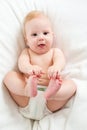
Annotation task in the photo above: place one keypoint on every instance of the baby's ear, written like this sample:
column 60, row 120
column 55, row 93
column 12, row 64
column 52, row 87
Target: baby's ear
column 53, row 34
column 26, row 41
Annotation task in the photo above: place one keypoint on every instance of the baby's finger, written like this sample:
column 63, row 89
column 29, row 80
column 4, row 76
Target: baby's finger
column 50, row 74
column 36, row 72
column 54, row 76
column 60, row 82
column 30, row 72
column 58, row 76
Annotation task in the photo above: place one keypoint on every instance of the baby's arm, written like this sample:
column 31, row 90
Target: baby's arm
column 58, row 59
column 26, row 67
column 58, row 63
column 24, row 61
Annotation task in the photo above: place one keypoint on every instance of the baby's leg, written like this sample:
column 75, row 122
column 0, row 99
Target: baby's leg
column 67, row 90
column 53, row 87
column 31, row 86
column 16, row 84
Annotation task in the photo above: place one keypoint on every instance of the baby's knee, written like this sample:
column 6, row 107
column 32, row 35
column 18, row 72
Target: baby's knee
column 67, row 90
column 9, row 76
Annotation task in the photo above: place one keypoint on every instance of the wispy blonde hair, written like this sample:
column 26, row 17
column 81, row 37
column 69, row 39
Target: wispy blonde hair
column 31, row 15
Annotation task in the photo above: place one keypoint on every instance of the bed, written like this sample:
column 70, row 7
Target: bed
column 69, row 19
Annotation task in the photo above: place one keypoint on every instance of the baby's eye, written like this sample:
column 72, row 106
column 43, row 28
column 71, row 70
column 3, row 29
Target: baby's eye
column 45, row 33
column 34, row 34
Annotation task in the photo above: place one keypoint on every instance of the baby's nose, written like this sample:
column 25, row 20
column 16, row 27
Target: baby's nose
column 41, row 37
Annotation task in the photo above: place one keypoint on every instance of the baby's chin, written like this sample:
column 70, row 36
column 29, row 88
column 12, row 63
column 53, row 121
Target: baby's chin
column 42, row 51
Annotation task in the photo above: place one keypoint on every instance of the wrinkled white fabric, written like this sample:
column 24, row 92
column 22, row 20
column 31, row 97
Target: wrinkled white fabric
column 36, row 108
column 69, row 20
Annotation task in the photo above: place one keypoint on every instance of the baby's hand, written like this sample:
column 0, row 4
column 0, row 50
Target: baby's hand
column 35, row 70
column 53, row 72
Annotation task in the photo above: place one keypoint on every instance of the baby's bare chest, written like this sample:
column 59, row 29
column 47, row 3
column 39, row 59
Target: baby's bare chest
column 43, row 61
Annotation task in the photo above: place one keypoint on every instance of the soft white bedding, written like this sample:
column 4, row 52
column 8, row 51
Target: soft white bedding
column 70, row 26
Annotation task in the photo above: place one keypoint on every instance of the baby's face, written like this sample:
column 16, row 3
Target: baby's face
column 39, row 35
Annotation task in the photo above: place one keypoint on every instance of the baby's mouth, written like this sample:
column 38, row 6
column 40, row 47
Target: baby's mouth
column 41, row 45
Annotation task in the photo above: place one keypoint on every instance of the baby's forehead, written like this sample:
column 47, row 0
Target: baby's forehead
column 39, row 21
column 40, row 18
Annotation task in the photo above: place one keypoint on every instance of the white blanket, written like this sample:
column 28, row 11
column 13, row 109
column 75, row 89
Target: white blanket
column 69, row 20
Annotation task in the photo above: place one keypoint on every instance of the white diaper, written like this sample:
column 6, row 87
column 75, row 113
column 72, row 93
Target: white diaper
column 36, row 109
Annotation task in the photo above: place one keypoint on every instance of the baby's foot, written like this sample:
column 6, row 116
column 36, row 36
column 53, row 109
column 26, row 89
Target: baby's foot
column 31, row 86
column 54, row 86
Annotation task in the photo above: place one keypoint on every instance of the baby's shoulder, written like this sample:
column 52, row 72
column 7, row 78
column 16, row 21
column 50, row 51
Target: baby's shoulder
column 56, row 50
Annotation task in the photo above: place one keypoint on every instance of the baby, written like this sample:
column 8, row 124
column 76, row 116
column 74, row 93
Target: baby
column 39, row 80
